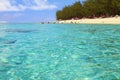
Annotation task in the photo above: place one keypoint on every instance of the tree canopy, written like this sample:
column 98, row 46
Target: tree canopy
column 90, row 9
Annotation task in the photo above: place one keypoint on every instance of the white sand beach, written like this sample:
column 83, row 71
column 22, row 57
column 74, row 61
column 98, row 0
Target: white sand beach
column 110, row 20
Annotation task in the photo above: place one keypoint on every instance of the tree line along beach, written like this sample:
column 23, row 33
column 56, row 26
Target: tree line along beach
column 91, row 11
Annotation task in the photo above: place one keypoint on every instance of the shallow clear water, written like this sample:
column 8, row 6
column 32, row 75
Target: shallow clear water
column 59, row 52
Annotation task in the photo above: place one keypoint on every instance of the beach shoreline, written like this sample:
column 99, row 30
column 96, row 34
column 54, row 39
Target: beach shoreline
column 109, row 20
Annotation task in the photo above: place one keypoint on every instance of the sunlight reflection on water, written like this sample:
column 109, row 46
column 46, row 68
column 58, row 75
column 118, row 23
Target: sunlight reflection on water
column 60, row 52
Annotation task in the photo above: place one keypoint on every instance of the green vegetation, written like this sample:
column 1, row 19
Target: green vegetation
column 90, row 9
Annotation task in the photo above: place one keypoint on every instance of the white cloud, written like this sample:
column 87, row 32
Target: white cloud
column 6, row 5
column 13, row 5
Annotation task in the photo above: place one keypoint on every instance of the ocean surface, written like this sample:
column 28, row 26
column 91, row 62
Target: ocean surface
column 59, row 52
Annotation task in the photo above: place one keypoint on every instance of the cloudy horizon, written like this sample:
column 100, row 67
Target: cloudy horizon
column 30, row 10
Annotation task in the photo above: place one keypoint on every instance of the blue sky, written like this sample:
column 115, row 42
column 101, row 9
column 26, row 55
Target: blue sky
column 31, row 10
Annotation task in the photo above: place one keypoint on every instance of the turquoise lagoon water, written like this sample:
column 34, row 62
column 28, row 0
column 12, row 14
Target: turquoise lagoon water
column 59, row 52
